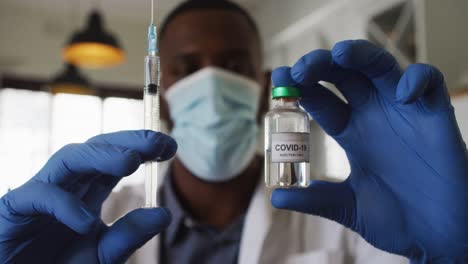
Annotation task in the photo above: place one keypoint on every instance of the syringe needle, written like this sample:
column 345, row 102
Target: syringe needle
column 152, row 12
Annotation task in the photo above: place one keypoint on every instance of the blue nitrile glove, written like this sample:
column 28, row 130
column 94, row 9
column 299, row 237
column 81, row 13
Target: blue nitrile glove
column 408, row 188
column 54, row 217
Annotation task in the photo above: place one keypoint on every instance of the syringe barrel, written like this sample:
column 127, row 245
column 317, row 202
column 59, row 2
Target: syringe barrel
column 151, row 122
column 151, row 93
column 152, row 77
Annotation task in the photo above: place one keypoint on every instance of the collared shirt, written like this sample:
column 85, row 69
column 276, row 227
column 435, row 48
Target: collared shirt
column 187, row 241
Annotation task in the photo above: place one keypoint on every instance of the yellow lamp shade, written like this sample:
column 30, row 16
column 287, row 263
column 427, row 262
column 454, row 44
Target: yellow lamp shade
column 71, row 88
column 93, row 55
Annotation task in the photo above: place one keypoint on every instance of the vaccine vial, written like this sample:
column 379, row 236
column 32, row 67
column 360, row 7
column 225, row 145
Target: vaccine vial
column 287, row 129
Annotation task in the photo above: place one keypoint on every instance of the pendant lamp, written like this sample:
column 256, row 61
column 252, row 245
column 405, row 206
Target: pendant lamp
column 93, row 47
column 70, row 80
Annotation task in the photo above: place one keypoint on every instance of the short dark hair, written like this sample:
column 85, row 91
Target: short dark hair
column 190, row 5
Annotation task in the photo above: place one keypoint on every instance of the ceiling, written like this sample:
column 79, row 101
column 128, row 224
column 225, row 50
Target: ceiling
column 135, row 10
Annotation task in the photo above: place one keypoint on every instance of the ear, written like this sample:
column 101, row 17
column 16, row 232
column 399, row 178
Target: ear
column 265, row 96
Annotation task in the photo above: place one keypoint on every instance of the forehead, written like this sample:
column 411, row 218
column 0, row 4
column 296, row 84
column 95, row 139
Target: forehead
column 208, row 29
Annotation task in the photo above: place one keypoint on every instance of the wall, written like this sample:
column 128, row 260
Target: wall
column 290, row 29
column 32, row 41
column 444, row 38
column 302, row 26
column 299, row 27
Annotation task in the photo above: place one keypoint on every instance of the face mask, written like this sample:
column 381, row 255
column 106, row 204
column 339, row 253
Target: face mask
column 214, row 113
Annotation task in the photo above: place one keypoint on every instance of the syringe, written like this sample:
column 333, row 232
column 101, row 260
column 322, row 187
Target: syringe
column 151, row 109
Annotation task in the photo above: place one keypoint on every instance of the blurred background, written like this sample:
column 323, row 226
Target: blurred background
column 46, row 103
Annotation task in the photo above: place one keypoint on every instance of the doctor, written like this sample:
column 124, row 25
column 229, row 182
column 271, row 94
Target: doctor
column 217, row 94
column 406, row 193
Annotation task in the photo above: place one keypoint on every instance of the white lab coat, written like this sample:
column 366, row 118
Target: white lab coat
column 270, row 235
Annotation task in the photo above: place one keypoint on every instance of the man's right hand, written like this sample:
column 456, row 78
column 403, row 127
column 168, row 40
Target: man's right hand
column 54, row 217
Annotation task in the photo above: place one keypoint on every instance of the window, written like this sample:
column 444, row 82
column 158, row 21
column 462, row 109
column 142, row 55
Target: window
column 124, row 114
column 24, row 135
column 74, row 119
column 34, row 124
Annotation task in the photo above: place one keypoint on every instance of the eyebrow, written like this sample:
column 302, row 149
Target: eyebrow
column 236, row 52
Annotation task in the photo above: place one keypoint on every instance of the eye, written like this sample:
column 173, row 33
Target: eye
column 185, row 69
column 234, row 65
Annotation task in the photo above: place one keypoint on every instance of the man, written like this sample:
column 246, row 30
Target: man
column 199, row 59
column 406, row 181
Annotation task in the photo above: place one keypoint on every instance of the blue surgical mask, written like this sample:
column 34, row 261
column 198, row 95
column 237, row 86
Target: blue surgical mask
column 214, row 113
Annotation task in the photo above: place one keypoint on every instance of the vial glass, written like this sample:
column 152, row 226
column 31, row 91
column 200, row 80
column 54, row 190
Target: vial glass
column 287, row 136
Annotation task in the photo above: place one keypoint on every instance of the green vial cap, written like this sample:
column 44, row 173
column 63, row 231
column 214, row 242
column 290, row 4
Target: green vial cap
column 286, row 92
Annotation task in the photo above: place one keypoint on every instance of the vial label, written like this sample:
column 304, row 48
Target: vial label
column 290, row 147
